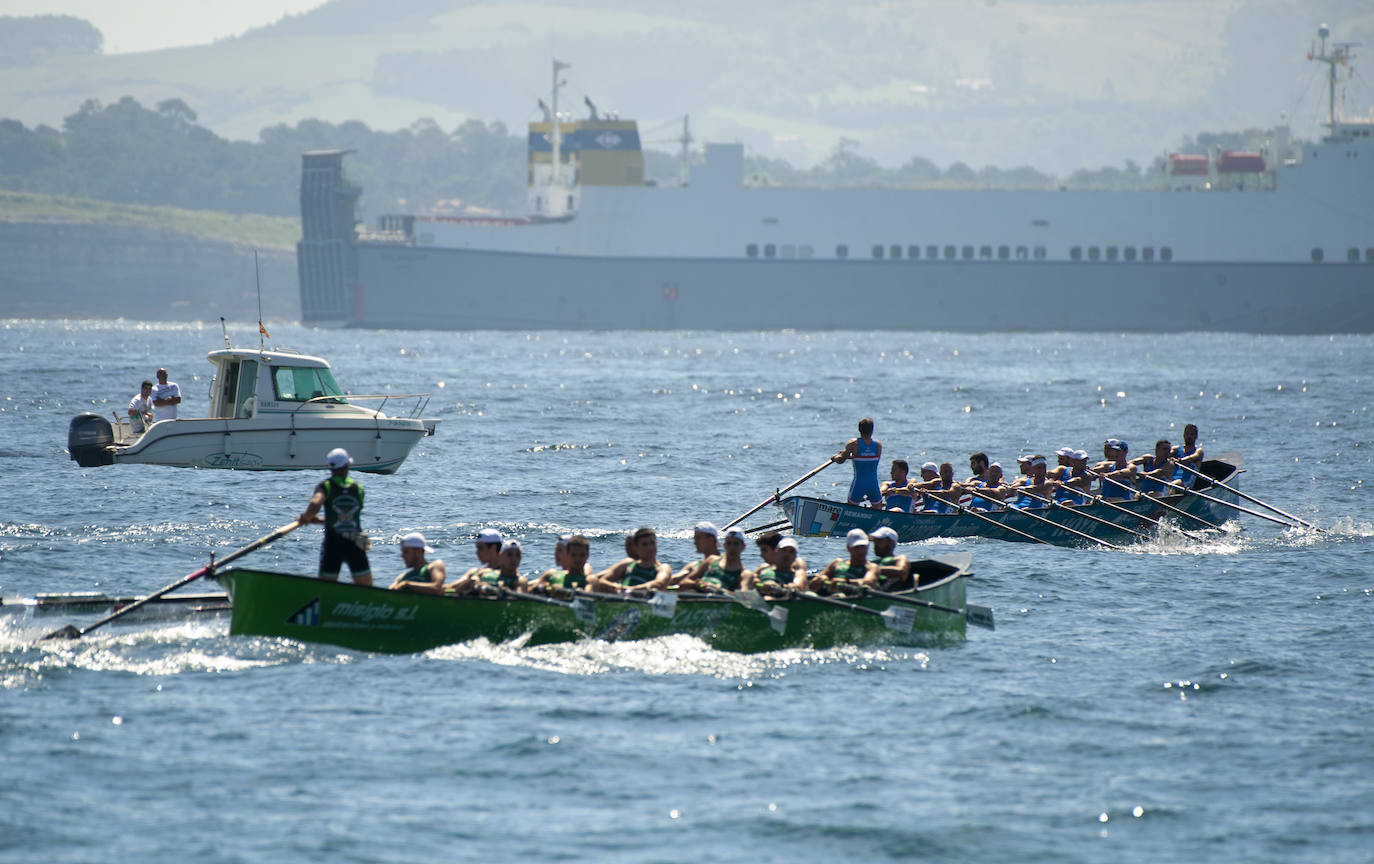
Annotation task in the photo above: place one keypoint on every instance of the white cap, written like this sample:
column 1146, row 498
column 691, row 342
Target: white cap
column 338, row 458
column 1080, row 454
column 707, row 528
column 737, row 533
column 930, row 466
column 997, row 465
column 415, row 540
column 563, row 540
column 510, row 544
column 1025, row 458
column 885, row 532
column 1038, row 460
column 488, row 535
column 1066, row 452
column 787, row 543
column 856, row 537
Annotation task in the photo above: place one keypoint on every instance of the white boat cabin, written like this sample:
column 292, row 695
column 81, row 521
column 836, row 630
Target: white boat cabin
column 250, row 382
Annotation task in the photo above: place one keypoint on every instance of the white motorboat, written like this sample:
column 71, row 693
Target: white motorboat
column 270, row 410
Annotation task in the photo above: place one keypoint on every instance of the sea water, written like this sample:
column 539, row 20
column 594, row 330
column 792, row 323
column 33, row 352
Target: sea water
column 1184, row 700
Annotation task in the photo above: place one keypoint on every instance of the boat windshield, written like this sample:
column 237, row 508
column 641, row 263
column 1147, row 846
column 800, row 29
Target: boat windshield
column 299, row 383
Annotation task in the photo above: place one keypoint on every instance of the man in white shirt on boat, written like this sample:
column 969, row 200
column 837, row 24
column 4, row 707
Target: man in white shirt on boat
column 141, row 409
column 166, row 398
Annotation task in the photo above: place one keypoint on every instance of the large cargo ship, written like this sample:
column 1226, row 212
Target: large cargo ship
column 1275, row 241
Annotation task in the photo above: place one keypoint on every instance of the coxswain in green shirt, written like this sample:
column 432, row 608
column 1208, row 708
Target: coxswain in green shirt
column 420, row 576
column 341, row 499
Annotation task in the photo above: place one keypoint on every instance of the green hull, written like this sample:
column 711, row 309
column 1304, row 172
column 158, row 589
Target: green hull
column 376, row 619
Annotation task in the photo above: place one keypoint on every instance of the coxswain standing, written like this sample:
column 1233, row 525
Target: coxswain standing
column 341, row 499
column 864, row 452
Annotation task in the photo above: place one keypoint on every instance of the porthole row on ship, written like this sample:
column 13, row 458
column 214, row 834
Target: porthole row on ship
column 897, row 252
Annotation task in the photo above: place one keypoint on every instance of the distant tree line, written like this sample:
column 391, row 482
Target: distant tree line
column 31, row 41
column 127, row 153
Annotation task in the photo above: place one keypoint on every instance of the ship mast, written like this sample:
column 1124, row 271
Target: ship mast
column 554, row 178
column 1340, row 54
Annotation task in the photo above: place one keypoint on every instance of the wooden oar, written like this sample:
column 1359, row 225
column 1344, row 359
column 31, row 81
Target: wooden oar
column 1249, row 498
column 976, row 515
column 979, row 616
column 778, row 494
column 1167, row 506
column 1141, row 516
column 894, row 619
column 1177, row 487
column 1054, row 524
column 1062, row 506
column 70, row 632
column 769, row 527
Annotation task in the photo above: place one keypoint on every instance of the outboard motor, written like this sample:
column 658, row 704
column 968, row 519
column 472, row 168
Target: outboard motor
column 88, row 440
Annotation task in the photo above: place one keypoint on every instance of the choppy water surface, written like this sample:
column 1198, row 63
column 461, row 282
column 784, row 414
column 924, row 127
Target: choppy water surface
column 1180, row 701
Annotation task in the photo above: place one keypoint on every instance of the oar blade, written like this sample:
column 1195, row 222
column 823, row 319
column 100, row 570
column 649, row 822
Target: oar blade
column 68, row 632
column 777, row 618
column 584, row 610
column 979, row 616
column 663, row 604
column 751, row 599
column 899, row 618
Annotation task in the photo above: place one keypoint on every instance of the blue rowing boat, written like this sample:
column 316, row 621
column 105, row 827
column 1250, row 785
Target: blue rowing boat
column 1118, row 522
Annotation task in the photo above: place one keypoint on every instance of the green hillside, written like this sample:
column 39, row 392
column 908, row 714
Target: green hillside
column 266, row 232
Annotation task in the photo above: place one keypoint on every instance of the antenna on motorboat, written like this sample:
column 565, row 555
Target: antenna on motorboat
column 263, row 335
column 1342, row 54
column 225, row 330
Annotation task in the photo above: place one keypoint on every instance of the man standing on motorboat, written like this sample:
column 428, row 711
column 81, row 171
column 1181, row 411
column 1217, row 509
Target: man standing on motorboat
column 341, row 498
column 166, row 398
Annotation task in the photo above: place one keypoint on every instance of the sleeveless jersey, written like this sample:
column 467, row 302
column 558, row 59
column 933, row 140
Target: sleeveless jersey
column 496, row 577
column 865, row 460
column 850, row 572
column 416, row 574
column 721, row 578
column 776, row 576
column 1182, row 476
column 343, row 505
column 639, row 575
column 1149, row 485
column 900, row 501
column 564, row 579
column 1070, row 496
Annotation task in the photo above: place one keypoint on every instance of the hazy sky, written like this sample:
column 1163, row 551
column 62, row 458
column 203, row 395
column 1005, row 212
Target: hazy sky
column 147, row 25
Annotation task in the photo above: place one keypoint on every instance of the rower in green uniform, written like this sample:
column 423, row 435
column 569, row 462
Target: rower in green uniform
column 488, row 547
column 706, row 540
column 341, row 499
column 893, row 570
column 643, row 571
column 857, row 570
column 420, row 576
column 724, row 573
column 782, row 573
column 574, row 570
column 505, row 575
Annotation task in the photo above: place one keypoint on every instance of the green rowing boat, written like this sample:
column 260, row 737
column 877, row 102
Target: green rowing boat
column 376, row 619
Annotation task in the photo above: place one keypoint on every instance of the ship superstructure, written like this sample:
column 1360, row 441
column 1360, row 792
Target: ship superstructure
column 1280, row 240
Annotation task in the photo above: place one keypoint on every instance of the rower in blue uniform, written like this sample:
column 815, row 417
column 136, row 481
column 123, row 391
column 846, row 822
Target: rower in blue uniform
column 1116, row 477
column 864, row 452
column 988, row 492
column 1036, row 483
column 1156, row 469
column 1190, row 454
column 895, row 494
column 1076, row 482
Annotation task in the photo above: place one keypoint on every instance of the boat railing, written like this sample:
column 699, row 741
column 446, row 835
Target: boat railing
column 421, row 403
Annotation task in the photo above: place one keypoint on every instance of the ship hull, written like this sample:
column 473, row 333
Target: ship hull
column 419, row 287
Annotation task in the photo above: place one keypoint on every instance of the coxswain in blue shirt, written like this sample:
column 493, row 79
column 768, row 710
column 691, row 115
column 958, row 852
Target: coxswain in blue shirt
column 864, row 452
